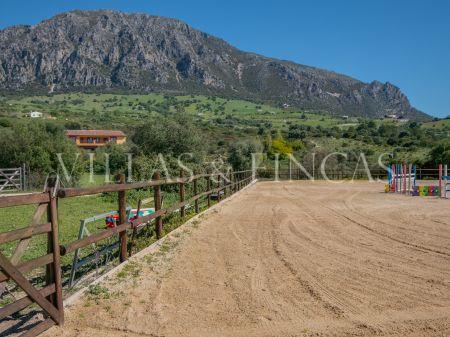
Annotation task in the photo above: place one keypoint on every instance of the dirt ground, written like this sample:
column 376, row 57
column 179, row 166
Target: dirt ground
column 287, row 259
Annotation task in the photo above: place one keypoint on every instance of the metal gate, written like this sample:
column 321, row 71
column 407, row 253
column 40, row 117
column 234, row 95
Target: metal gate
column 13, row 179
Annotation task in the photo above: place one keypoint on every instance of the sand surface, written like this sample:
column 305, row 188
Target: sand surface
column 287, row 259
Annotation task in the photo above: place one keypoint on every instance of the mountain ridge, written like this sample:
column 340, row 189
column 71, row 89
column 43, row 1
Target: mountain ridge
column 106, row 50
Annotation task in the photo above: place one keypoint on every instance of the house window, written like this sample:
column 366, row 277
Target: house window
column 114, row 139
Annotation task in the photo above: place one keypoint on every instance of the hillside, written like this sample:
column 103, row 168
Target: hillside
column 113, row 51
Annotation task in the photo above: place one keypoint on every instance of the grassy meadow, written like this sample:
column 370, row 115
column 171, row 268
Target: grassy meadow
column 122, row 111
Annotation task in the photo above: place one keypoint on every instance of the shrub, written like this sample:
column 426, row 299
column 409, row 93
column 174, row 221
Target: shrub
column 37, row 144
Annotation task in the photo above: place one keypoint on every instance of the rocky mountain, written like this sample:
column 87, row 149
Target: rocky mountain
column 108, row 50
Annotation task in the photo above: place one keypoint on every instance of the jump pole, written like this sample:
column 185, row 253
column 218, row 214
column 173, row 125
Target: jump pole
column 404, row 178
column 395, row 178
column 389, row 176
column 409, row 178
column 440, row 181
column 446, row 181
column 392, row 178
column 415, row 174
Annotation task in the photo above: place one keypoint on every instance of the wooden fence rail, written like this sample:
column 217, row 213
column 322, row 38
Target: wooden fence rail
column 50, row 297
column 333, row 174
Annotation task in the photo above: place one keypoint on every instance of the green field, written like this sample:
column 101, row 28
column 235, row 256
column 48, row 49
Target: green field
column 122, row 111
column 70, row 213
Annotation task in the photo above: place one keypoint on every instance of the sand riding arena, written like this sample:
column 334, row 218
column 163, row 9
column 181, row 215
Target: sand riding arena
column 285, row 259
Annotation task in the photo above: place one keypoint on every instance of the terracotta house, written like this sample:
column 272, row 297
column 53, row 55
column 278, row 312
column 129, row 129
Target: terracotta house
column 92, row 139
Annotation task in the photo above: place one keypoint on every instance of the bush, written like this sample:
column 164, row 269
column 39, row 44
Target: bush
column 241, row 155
column 440, row 153
column 118, row 158
column 281, row 147
column 173, row 136
column 6, row 123
column 37, row 144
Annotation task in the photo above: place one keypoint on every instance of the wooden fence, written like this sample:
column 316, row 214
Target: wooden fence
column 13, row 179
column 332, row 174
column 49, row 297
column 339, row 174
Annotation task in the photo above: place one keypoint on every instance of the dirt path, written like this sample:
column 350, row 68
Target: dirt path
column 287, row 259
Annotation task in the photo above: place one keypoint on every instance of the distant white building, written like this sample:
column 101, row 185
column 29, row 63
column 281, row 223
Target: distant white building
column 35, row 114
column 286, row 106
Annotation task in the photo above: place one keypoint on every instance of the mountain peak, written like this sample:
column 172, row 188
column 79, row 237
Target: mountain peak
column 105, row 50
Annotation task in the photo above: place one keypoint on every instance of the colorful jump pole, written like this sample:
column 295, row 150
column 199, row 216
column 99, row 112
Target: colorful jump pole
column 440, row 181
column 447, row 184
column 409, row 178
column 392, row 178
column 389, row 176
column 395, row 178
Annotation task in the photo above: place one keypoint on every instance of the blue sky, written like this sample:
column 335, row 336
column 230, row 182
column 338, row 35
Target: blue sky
column 404, row 42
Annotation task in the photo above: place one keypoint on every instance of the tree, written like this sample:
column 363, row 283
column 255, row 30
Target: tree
column 440, row 153
column 117, row 158
column 240, row 157
column 169, row 136
column 280, row 146
column 38, row 144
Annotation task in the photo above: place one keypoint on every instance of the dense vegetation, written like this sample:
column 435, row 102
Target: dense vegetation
column 215, row 130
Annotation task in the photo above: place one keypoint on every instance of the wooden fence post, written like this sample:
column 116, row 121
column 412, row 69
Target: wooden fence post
column 157, row 197
column 208, row 187
column 232, row 187
column 182, row 192
column 120, row 178
column 225, row 184
column 53, row 271
column 218, row 186
column 24, row 172
column 195, row 193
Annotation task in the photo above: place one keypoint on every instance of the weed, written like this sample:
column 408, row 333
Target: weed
column 96, row 292
column 131, row 269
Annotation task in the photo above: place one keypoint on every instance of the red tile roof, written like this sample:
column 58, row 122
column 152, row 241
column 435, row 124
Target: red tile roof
column 95, row 133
